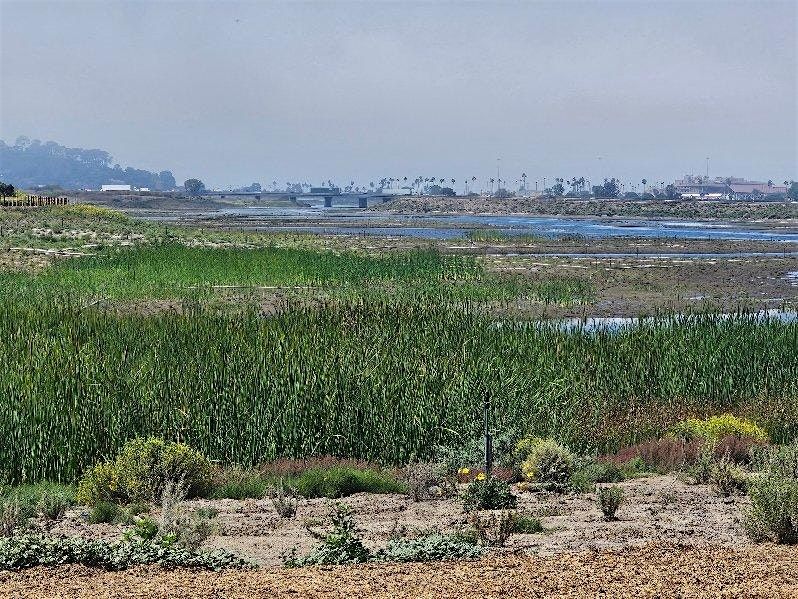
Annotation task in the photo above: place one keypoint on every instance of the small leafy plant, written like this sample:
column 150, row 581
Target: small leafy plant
column 488, row 494
column 428, row 548
column 426, row 481
column 524, row 524
column 773, row 514
column 492, row 529
column 727, row 478
column 340, row 545
column 27, row 551
column 104, row 512
column 609, row 499
column 283, row 499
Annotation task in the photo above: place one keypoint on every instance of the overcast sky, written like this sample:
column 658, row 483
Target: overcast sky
column 236, row 92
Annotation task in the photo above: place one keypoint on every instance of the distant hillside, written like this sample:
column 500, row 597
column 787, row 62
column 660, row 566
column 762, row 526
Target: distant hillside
column 28, row 164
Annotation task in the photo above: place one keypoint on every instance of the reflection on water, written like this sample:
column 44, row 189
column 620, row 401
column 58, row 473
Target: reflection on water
column 618, row 323
column 354, row 222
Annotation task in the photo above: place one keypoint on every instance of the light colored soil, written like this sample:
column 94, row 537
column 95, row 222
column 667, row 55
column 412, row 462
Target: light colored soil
column 643, row 286
column 650, row 571
column 658, row 508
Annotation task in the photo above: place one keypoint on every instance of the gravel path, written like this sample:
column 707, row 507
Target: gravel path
column 650, row 571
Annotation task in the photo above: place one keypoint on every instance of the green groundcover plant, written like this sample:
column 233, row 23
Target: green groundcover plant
column 27, row 551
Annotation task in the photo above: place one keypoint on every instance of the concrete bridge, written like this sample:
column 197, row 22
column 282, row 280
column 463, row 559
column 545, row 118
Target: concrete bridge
column 362, row 198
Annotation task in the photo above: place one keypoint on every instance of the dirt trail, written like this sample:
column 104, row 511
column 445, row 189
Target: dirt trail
column 650, row 571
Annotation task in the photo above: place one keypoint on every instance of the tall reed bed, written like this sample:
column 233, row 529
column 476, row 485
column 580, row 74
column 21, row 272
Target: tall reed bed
column 375, row 381
column 172, row 270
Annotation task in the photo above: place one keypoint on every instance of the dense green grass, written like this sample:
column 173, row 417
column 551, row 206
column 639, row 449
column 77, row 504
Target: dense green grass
column 382, row 381
column 174, row 270
column 497, row 236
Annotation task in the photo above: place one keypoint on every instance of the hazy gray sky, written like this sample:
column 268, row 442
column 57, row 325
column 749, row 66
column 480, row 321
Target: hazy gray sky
column 235, row 92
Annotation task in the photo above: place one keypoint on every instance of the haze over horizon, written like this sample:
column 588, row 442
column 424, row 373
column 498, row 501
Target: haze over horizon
column 238, row 92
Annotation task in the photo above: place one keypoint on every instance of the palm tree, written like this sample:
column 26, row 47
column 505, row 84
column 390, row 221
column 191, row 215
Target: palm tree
column 491, row 184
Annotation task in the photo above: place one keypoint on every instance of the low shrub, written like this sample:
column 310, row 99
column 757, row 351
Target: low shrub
column 340, row 545
column 609, row 499
column 12, row 519
column 488, row 494
column 283, row 499
column 48, row 500
column 428, row 548
column 524, row 524
column 421, row 478
column 658, row 455
column 740, row 450
column 715, row 428
column 492, row 529
column 701, row 469
column 342, row 481
column 104, row 512
column 239, row 483
column 141, row 470
column 585, row 478
column 773, row 515
column 27, row 551
column 727, row 478
column 472, row 453
column 178, row 525
column 547, row 462
column 780, row 460
column 671, row 453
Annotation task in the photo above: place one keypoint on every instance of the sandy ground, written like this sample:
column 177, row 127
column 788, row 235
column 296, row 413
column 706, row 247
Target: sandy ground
column 671, row 540
column 658, row 509
column 650, row 571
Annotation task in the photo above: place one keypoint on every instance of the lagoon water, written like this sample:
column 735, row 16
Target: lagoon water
column 437, row 226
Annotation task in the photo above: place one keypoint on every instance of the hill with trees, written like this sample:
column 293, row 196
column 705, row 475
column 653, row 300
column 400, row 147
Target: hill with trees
column 29, row 164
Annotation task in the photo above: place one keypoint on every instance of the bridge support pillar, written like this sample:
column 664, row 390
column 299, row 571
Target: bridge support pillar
column 257, row 197
column 362, row 203
column 328, row 201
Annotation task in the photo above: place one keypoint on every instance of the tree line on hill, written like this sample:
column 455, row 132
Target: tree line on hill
column 30, row 164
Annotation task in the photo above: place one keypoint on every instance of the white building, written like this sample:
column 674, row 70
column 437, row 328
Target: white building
column 117, row 188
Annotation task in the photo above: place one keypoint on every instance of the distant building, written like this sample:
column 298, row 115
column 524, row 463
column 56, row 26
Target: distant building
column 696, row 186
column 115, row 187
column 700, row 187
column 326, row 190
column 750, row 189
